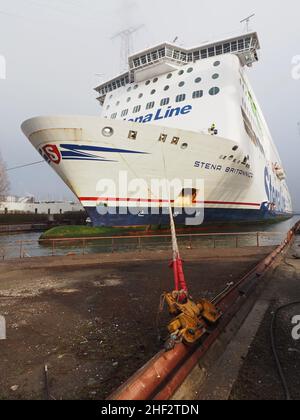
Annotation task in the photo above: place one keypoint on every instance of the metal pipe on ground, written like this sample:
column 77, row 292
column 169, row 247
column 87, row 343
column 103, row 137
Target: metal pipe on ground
column 161, row 377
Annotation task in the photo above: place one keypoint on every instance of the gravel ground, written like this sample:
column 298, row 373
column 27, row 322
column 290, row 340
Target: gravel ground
column 94, row 324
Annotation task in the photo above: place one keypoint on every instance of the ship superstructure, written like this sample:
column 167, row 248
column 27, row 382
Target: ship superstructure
column 187, row 114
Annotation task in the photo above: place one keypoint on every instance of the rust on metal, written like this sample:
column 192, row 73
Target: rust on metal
column 160, row 378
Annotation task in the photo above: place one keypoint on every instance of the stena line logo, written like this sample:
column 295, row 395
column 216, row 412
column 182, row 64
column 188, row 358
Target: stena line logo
column 161, row 114
column 51, row 153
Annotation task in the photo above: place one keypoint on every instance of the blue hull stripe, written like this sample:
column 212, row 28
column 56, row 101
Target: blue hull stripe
column 210, row 216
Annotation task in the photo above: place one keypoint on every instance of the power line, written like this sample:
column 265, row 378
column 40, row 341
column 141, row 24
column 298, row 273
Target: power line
column 25, row 166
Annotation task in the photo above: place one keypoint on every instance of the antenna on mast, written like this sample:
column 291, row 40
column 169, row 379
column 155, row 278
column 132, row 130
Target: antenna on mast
column 126, row 43
column 247, row 22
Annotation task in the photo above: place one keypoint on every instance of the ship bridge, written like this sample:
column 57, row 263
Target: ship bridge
column 168, row 57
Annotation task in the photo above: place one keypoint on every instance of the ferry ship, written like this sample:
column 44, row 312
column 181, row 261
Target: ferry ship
column 176, row 114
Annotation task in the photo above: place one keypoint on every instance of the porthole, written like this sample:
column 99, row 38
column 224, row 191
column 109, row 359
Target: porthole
column 215, row 76
column 150, row 105
column 165, row 102
column 190, row 70
column 128, row 99
column 235, row 148
column 166, row 88
column 180, row 98
column 118, row 103
column 107, row 131
column 170, row 75
column 155, row 80
column 129, row 89
column 184, row 146
column 181, row 84
column 141, row 95
column 217, row 63
column 108, row 106
column 214, row 91
column 153, row 92
column 198, row 80
column 197, row 94
column 148, row 83
column 135, row 87
column 181, row 72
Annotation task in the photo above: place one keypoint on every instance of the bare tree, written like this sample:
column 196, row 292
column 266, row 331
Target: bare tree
column 4, row 184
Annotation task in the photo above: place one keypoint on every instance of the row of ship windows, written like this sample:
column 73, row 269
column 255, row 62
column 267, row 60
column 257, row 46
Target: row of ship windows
column 165, row 101
column 117, row 84
column 179, row 98
column 180, row 73
column 215, row 76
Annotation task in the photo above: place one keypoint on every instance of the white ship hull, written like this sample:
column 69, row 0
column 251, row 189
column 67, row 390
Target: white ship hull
column 185, row 115
column 84, row 157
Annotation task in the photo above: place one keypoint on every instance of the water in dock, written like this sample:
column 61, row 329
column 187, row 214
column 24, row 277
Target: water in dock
column 28, row 245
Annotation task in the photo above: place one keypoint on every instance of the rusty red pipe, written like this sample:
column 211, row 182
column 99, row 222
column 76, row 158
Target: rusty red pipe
column 148, row 383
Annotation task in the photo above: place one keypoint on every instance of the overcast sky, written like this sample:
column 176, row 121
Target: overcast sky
column 57, row 50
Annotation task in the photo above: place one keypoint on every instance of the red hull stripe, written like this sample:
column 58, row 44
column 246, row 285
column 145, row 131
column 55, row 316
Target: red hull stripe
column 140, row 200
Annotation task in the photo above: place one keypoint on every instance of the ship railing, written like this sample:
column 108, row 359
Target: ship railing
column 22, row 249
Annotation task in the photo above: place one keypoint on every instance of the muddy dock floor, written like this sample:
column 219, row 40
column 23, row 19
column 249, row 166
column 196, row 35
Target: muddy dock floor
column 93, row 319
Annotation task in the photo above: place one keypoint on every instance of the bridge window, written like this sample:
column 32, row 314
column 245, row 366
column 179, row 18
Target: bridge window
column 203, row 54
column 219, row 49
column 214, row 91
column 124, row 113
column 247, row 43
column 234, row 46
column 226, row 48
column 180, row 98
column 136, row 109
column 211, row 52
column 165, row 101
column 241, row 44
column 196, row 55
column 150, row 105
column 162, row 53
column 197, row 94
